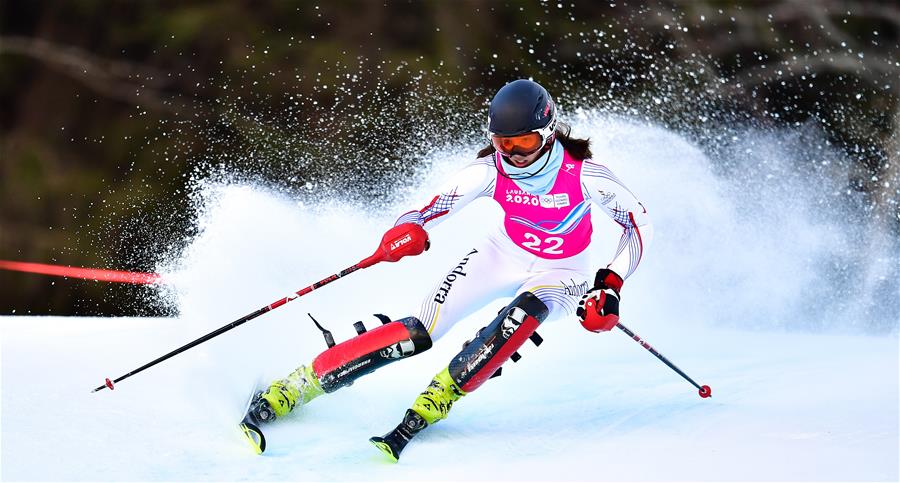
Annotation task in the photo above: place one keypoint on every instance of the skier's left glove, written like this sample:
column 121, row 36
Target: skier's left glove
column 598, row 309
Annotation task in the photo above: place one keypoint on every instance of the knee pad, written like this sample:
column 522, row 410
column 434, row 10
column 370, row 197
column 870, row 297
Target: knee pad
column 346, row 362
column 482, row 357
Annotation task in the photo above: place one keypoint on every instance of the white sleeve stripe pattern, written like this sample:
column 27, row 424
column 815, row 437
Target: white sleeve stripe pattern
column 622, row 217
column 623, row 207
column 489, row 189
column 439, row 206
column 597, row 171
column 474, row 181
column 631, row 239
column 410, row 217
column 487, row 161
column 556, row 295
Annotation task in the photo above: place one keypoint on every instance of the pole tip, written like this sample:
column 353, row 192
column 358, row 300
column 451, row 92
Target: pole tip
column 705, row 391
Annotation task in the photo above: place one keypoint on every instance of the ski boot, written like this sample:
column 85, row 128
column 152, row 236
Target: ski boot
column 282, row 396
column 430, row 407
column 338, row 366
column 480, row 359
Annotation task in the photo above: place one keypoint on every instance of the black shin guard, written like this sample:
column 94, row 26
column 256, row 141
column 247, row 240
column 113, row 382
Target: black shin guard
column 482, row 357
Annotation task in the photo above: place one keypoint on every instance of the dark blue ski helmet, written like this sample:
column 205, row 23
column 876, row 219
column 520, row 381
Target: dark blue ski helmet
column 519, row 107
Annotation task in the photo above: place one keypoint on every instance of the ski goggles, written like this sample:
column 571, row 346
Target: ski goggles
column 522, row 144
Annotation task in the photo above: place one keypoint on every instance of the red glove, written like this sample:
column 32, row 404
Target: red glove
column 598, row 309
column 398, row 242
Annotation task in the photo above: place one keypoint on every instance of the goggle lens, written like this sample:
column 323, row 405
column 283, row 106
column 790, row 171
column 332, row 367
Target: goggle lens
column 523, row 144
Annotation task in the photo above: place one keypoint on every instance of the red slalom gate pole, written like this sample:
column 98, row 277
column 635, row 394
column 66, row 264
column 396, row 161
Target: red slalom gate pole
column 398, row 242
column 97, row 274
column 705, row 391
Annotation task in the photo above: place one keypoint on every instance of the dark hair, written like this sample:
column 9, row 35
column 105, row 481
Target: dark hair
column 579, row 149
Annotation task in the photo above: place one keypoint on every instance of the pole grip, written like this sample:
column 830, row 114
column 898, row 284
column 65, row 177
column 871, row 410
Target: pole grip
column 403, row 240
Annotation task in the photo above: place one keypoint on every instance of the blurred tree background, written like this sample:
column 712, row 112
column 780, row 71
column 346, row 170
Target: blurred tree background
column 111, row 109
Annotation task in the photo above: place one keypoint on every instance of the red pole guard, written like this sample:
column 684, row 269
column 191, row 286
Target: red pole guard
column 96, row 274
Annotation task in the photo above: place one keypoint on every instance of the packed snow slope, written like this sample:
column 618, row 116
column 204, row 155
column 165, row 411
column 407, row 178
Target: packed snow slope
column 747, row 287
column 581, row 407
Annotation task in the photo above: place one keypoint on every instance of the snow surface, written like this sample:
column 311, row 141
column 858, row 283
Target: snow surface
column 799, row 392
column 784, row 407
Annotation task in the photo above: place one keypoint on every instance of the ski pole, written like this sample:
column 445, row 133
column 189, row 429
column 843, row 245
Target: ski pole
column 398, row 242
column 705, row 391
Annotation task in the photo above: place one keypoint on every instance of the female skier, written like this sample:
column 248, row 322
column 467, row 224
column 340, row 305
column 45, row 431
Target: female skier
column 546, row 183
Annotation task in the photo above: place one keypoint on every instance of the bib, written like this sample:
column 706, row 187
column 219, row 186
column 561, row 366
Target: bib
column 554, row 225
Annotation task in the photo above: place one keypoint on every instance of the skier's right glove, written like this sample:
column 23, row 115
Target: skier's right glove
column 598, row 309
column 400, row 241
